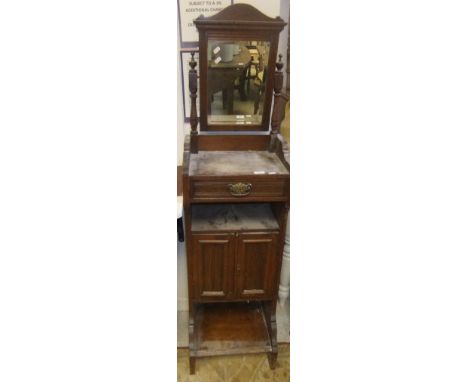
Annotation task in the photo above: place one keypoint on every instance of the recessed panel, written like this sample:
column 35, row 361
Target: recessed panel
column 256, row 265
column 256, row 257
column 214, row 256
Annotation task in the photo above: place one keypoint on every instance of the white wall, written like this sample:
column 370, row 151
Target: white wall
column 182, row 282
column 182, row 128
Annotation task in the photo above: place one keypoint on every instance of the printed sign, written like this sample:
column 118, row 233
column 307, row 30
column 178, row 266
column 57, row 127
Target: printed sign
column 190, row 10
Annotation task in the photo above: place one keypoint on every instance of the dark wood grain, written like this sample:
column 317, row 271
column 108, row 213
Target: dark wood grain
column 193, row 79
column 282, row 150
column 230, row 263
column 269, row 311
column 256, row 262
column 244, row 23
column 213, row 265
column 279, row 106
column 233, row 142
column 263, row 188
column 231, row 328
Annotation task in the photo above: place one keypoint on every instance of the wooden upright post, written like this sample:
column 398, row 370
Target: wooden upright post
column 280, row 101
column 193, row 105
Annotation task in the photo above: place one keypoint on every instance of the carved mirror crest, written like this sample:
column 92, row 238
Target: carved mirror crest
column 238, row 49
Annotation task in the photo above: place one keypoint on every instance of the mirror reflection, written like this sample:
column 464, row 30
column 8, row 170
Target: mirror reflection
column 237, row 75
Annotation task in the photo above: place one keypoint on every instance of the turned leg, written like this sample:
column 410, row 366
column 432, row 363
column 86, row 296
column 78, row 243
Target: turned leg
column 192, row 365
column 272, row 359
column 230, row 100
column 269, row 308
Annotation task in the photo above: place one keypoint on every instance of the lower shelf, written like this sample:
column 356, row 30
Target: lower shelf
column 231, row 328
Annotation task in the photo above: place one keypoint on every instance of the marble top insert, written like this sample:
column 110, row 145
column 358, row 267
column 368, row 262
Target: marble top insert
column 235, row 163
column 233, row 217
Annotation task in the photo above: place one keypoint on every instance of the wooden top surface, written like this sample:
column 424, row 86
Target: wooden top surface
column 230, row 328
column 225, row 163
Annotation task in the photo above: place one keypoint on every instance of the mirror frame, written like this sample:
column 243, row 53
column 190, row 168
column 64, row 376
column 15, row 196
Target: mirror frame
column 245, row 23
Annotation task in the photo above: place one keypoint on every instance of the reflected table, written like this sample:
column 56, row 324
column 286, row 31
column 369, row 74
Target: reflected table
column 223, row 75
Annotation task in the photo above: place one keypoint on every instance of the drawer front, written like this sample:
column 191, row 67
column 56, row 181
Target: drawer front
column 239, row 190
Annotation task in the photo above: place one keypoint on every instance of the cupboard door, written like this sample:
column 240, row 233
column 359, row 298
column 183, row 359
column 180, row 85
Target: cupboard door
column 256, row 259
column 213, row 259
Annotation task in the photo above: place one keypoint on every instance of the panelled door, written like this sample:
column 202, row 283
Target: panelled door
column 255, row 264
column 213, row 260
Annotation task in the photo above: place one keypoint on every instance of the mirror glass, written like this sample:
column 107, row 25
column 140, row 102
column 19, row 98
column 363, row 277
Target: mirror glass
column 236, row 83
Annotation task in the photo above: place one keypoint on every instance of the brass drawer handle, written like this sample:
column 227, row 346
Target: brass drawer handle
column 240, row 189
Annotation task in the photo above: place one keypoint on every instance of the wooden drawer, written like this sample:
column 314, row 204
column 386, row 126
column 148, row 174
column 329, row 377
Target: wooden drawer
column 239, row 190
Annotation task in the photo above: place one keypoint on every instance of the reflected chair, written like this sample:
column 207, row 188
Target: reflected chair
column 259, row 83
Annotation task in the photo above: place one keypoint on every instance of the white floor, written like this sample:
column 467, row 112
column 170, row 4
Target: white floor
column 282, row 322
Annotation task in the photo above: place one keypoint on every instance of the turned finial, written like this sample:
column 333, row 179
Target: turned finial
column 193, row 87
column 279, row 64
column 279, row 105
column 192, row 62
column 278, row 77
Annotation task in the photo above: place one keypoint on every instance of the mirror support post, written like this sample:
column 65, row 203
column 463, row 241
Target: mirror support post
column 193, row 105
column 280, row 101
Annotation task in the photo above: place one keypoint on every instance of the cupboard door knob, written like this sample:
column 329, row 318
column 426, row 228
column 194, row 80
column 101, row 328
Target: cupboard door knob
column 240, row 189
column 238, row 267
